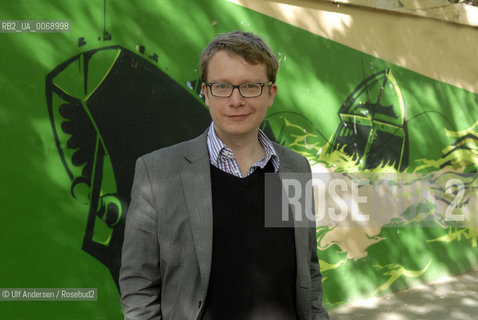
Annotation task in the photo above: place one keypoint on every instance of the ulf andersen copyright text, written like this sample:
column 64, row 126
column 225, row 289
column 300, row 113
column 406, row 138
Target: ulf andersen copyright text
column 48, row 294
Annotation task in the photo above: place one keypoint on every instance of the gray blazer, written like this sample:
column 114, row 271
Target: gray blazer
column 167, row 250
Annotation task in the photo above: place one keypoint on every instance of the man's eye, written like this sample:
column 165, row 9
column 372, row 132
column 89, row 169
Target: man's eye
column 251, row 86
column 221, row 86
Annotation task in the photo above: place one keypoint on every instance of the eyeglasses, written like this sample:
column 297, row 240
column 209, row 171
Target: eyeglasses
column 247, row 90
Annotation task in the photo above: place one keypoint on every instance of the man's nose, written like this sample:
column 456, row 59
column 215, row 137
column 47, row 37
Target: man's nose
column 236, row 99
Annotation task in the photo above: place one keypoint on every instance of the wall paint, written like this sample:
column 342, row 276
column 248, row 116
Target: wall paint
column 78, row 107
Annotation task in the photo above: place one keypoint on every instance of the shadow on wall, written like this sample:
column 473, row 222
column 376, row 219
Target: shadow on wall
column 434, row 48
column 107, row 107
column 450, row 298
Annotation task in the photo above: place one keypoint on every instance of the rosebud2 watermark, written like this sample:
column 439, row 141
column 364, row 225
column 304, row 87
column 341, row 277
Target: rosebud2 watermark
column 373, row 200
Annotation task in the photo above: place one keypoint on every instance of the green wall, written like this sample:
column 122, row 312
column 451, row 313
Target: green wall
column 75, row 113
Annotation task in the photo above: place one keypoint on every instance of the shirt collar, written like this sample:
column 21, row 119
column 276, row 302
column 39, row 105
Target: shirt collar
column 217, row 149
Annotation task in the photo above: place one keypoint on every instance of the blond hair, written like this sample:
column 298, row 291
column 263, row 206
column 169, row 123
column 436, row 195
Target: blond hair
column 246, row 45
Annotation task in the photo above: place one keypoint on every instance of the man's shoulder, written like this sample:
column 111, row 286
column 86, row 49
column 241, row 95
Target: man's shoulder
column 286, row 153
column 290, row 157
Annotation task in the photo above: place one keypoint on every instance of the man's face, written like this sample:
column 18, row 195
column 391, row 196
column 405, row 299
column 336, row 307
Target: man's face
column 236, row 116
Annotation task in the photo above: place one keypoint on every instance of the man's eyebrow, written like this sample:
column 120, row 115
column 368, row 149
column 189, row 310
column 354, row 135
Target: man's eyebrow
column 243, row 82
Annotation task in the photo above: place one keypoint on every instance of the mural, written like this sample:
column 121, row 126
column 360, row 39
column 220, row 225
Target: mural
column 373, row 127
column 79, row 107
column 107, row 107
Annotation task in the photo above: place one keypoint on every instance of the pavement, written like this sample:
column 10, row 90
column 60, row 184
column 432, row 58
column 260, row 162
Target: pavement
column 449, row 298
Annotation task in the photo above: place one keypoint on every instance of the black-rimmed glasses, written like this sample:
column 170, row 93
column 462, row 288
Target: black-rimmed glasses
column 247, row 90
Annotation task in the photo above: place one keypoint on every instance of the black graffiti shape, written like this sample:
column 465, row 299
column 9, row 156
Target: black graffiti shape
column 377, row 108
column 134, row 109
column 372, row 131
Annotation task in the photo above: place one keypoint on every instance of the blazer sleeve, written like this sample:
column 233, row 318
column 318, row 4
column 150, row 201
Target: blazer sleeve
column 318, row 310
column 139, row 277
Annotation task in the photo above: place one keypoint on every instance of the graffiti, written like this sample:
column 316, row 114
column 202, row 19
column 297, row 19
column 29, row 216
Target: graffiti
column 372, row 137
column 354, row 241
column 462, row 154
column 396, row 271
column 372, row 134
column 107, row 107
column 325, row 266
column 373, row 116
column 456, row 234
column 297, row 133
column 117, row 87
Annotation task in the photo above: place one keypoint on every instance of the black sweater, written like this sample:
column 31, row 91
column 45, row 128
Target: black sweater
column 253, row 272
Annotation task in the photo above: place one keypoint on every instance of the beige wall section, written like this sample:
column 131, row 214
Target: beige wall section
column 443, row 51
column 436, row 9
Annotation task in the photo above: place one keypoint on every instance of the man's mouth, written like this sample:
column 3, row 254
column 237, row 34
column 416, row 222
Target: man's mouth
column 237, row 116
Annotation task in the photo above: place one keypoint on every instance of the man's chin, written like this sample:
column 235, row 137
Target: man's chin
column 239, row 131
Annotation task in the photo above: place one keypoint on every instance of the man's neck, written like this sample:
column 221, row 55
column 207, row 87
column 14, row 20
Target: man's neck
column 247, row 149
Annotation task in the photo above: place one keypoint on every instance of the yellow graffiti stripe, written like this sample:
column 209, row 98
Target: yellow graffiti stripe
column 396, row 271
column 461, row 133
column 468, row 234
column 469, row 143
column 458, row 155
column 325, row 266
column 301, row 140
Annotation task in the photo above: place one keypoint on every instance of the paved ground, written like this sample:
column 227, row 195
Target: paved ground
column 451, row 298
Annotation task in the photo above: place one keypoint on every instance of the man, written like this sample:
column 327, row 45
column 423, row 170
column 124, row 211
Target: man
column 196, row 245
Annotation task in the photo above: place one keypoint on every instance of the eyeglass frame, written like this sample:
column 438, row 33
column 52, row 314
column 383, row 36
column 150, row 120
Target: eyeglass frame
column 238, row 86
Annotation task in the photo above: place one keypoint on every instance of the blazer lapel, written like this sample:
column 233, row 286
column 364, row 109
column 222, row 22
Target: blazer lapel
column 196, row 180
column 301, row 230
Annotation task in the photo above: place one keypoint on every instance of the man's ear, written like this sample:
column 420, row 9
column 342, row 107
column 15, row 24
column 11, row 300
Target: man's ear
column 272, row 94
column 206, row 95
